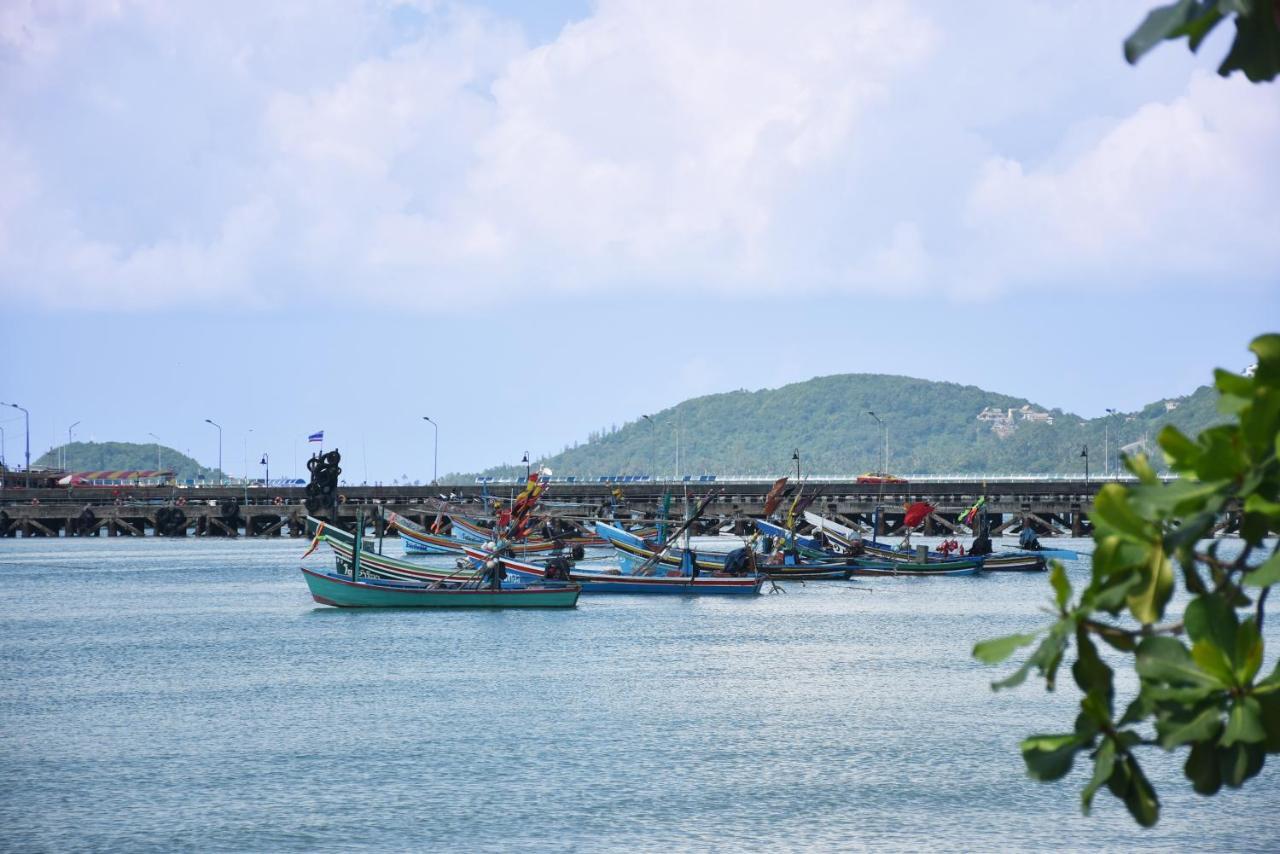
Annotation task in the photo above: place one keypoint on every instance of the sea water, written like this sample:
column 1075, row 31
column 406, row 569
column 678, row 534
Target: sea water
column 166, row 695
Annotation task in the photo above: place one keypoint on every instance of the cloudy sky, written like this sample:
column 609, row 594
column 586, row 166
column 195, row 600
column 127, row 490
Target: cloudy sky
column 533, row 223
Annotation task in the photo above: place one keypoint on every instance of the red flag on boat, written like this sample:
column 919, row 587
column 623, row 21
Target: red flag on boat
column 774, row 498
column 916, row 512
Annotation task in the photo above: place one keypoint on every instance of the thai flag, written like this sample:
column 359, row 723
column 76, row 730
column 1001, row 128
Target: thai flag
column 316, row 437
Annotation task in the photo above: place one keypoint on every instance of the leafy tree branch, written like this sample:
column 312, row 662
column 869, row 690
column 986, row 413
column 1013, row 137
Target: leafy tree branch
column 1202, row 696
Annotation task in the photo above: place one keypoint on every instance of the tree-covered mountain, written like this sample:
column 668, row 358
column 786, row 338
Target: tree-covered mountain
column 117, row 456
column 933, row 428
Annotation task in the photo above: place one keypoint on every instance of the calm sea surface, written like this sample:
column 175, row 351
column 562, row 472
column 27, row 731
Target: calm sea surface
column 187, row 694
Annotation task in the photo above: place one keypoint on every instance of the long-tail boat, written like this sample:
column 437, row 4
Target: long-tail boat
column 849, row 539
column 331, row 588
column 420, row 541
column 634, row 551
column 664, row 580
column 472, row 531
column 361, row 581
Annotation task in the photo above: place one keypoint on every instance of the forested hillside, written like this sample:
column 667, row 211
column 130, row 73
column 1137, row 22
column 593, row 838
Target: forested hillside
column 933, row 428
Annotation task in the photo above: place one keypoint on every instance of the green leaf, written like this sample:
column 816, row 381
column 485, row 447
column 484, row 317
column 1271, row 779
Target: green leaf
column 1049, row 757
column 997, row 650
column 1256, row 503
column 1203, row 769
column 1231, row 383
column 1265, row 575
column 1214, row 661
column 1163, row 659
column 1244, row 723
column 1061, row 586
column 1239, row 762
column 1140, row 798
column 1163, row 22
column 1211, row 618
column 1249, row 648
column 1112, row 514
column 1181, row 451
column 1103, row 766
column 1270, row 707
column 1256, row 49
column 1267, row 349
column 1204, row 726
column 1091, row 673
column 1147, row 600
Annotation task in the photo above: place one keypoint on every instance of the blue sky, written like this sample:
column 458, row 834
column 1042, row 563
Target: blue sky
column 533, row 224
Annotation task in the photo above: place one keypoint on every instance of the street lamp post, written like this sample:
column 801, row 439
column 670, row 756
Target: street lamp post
column 64, row 450
column 795, row 455
column 1106, row 443
column 219, row 426
column 265, row 462
column 884, row 465
column 27, row 430
column 1084, row 452
column 157, row 438
column 653, row 445
column 525, row 460
column 435, row 451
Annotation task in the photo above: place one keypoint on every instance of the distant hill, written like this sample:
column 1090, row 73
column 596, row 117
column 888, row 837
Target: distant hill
column 104, row 456
column 934, row 428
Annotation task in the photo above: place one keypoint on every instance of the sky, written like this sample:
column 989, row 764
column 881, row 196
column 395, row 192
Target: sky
column 533, row 221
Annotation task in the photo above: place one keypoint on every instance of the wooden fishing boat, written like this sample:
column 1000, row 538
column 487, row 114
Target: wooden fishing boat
column 471, row 531
column 633, row 551
column 331, row 588
column 420, row 541
column 889, row 562
column 343, row 545
column 846, row 538
column 963, row 566
column 664, row 581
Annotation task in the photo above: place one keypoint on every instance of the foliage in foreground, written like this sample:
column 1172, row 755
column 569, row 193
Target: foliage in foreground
column 1201, row 695
column 1254, row 51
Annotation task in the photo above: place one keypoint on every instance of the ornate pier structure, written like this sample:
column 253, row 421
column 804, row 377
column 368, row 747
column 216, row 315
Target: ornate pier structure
column 1051, row 507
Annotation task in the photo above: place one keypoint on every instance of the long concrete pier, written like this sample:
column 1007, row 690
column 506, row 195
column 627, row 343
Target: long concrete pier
column 1051, row 507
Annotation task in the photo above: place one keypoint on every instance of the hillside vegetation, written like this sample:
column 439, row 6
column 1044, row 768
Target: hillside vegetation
column 104, row 456
column 933, row 429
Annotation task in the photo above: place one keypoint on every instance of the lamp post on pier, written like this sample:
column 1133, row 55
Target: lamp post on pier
column 653, row 445
column 795, row 455
column 27, row 430
column 525, row 460
column 1084, row 452
column 70, row 430
column 435, row 451
column 219, row 426
column 157, row 438
column 1106, row 443
column 265, row 462
column 884, row 464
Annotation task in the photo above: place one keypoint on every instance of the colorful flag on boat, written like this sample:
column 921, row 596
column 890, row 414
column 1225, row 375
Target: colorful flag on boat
column 972, row 513
column 916, row 512
column 316, row 437
column 774, row 498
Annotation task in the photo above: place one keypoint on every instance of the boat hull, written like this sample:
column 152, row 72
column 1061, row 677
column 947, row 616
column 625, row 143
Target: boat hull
column 593, row 581
column 332, row 589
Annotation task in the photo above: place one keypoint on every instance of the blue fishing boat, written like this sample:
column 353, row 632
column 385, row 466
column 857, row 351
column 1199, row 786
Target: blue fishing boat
column 634, row 551
column 342, row 591
column 661, row 580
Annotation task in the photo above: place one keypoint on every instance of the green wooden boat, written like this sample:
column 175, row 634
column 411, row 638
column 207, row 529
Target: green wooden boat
column 329, row 588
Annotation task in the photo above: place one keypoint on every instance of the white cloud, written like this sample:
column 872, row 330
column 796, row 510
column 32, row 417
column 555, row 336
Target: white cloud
column 1177, row 188
column 153, row 157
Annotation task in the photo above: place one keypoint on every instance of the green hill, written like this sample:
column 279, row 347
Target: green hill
column 933, row 428
column 105, row 456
